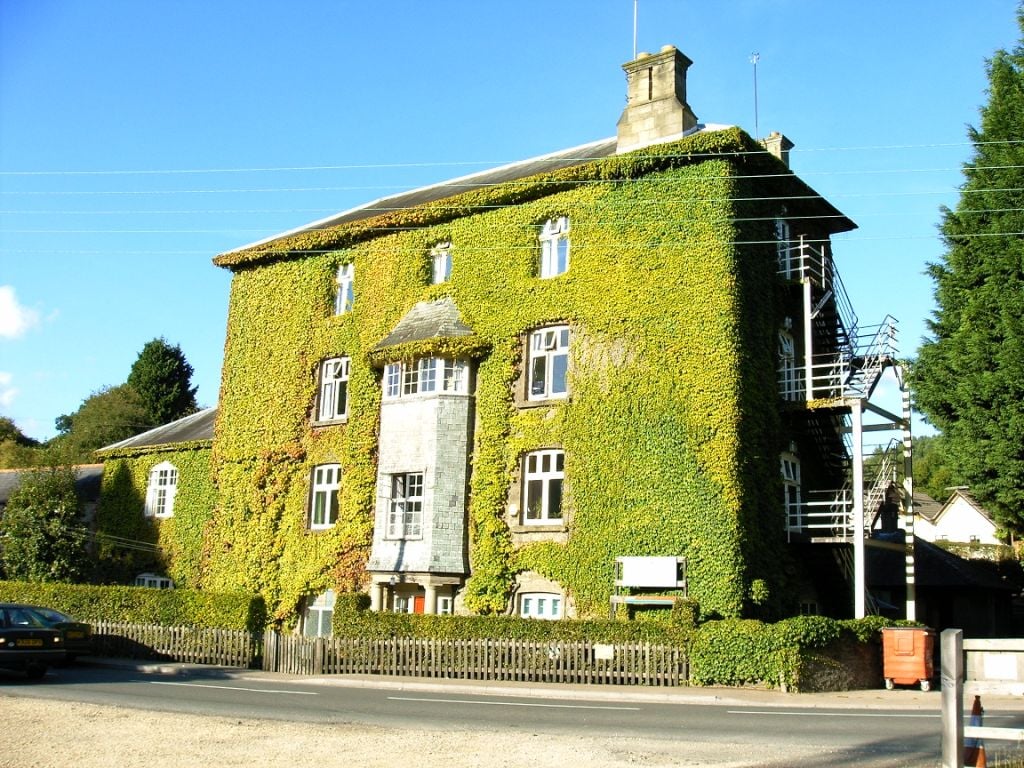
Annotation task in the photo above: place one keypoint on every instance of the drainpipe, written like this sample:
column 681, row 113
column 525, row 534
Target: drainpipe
column 859, row 580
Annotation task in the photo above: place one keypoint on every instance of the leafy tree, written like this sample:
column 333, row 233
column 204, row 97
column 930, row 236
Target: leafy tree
column 17, row 449
column 106, row 416
column 969, row 376
column 41, row 530
column 933, row 474
column 163, row 378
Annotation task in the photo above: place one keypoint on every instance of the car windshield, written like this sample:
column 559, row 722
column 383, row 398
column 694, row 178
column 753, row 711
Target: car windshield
column 24, row 617
column 50, row 616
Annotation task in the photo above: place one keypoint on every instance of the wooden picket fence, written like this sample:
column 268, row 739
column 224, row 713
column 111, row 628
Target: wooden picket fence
column 485, row 659
column 196, row 645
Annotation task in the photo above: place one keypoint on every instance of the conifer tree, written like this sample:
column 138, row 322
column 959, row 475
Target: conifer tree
column 163, row 378
column 969, row 376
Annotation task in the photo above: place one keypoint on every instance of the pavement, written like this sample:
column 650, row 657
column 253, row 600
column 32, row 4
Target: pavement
column 911, row 698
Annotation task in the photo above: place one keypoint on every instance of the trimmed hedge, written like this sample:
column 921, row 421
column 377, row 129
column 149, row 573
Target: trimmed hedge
column 801, row 653
column 142, row 605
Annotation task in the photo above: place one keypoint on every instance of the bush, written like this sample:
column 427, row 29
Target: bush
column 351, row 620
column 142, row 605
column 784, row 655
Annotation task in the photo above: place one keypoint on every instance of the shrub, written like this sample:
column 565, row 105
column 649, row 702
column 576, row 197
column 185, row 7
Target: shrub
column 141, row 605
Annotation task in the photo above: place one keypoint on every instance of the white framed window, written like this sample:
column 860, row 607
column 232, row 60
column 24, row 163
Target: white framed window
column 161, row 489
column 445, row 605
column 318, row 615
column 441, row 262
column 789, row 383
column 554, row 247
column 426, row 375
column 153, row 581
column 786, row 252
column 405, row 507
column 549, row 363
column 326, row 482
column 790, row 467
column 543, row 477
column 540, row 605
column 345, row 298
column 334, row 389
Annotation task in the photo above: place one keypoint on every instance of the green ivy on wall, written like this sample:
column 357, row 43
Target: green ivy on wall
column 671, row 433
column 177, row 541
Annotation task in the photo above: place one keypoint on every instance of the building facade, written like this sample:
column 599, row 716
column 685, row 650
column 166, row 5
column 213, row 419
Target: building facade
column 475, row 396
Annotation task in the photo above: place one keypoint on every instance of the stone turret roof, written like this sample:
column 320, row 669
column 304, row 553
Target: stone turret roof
column 427, row 320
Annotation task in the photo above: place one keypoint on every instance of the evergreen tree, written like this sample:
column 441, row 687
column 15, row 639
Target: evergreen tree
column 41, row 533
column 969, row 376
column 163, row 378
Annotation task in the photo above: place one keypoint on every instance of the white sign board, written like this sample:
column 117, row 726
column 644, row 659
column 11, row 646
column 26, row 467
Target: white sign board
column 648, row 572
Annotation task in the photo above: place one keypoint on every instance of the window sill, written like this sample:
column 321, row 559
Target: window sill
column 330, row 422
column 548, row 403
column 538, row 528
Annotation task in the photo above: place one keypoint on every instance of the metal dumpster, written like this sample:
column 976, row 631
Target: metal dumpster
column 907, row 656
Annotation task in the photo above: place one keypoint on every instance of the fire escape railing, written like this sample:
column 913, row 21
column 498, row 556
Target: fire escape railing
column 849, row 366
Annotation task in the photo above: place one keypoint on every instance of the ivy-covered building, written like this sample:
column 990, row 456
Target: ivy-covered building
column 475, row 396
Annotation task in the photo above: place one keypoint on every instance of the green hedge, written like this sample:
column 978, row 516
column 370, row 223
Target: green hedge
column 785, row 654
column 142, row 605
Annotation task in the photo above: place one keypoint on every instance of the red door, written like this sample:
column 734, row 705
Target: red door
column 418, row 603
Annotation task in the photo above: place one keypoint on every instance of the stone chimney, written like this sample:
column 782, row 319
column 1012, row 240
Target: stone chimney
column 778, row 145
column 656, row 108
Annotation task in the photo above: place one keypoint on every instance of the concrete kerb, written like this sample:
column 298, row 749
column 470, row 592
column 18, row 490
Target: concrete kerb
column 910, row 699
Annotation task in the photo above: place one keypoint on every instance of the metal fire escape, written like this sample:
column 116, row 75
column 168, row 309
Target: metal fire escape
column 836, row 368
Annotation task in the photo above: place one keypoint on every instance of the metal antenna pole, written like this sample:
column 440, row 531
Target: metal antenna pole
column 754, row 58
column 635, row 2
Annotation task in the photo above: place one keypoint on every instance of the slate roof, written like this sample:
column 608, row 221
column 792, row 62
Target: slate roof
column 522, row 169
column 190, row 429
column 926, row 506
column 428, row 320
column 933, row 567
column 87, row 482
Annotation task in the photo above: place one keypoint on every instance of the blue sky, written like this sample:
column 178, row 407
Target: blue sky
column 138, row 140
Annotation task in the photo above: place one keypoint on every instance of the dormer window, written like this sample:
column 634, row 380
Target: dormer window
column 441, row 260
column 345, row 298
column 554, row 247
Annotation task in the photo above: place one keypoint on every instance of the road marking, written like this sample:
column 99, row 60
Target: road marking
column 235, row 688
column 510, row 703
column 825, row 714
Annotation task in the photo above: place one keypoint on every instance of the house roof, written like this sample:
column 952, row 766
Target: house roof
column 926, row 506
column 522, row 169
column 87, row 482
column 581, row 155
column 197, row 427
column 428, row 320
column 933, row 567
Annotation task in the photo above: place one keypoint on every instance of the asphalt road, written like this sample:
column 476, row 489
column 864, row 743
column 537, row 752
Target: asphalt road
column 848, row 735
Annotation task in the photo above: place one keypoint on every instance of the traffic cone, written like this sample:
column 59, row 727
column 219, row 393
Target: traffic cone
column 974, row 749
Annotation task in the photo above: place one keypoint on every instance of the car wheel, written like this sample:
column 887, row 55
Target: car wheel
column 35, row 672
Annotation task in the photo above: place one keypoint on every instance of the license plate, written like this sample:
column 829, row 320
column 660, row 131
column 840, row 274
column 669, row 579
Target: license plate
column 29, row 642
column 76, row 634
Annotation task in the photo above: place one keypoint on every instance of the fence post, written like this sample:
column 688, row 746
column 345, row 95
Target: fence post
column 270, row 659
column 952, row 698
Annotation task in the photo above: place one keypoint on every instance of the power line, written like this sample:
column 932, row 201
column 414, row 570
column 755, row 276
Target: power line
column 466, row 184
column 463, row 163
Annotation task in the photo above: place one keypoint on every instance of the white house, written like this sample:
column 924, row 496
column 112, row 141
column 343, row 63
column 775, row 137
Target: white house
column 960, row 519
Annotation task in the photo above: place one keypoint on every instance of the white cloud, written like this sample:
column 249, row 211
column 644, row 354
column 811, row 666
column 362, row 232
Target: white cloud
column 7, row 392
column 15, row 320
